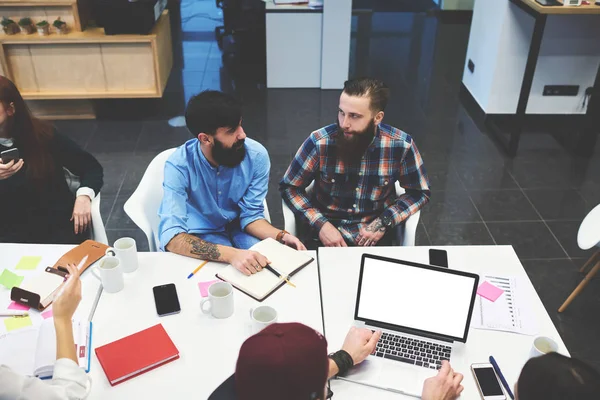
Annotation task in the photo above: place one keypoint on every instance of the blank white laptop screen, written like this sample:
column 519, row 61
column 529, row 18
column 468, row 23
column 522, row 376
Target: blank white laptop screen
column 414, row 297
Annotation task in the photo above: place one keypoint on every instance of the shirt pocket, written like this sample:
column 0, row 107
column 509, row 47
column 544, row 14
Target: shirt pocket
column 380, row 187
column 330, row 184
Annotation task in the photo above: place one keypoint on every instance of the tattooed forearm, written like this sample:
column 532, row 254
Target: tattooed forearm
column 203, row 249
column 192, row 246
column 375, row 226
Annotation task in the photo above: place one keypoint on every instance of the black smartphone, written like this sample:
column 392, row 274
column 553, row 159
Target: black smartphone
column 10, row 155
column 438, row 257
column 165, row 297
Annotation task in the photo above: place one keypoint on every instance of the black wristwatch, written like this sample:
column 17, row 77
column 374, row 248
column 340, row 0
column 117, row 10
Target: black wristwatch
column 386, row 220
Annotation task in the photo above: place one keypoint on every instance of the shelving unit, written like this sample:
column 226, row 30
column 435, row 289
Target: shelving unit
column 75, row 68
column 75, row 13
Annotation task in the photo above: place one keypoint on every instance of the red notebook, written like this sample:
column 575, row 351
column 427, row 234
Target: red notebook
column 135, row 354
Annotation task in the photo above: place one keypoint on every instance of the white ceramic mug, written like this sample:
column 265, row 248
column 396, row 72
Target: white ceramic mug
column 542, row 345
column 125, row 250
column 220, row 300
column 110, row 273
column 261, row 317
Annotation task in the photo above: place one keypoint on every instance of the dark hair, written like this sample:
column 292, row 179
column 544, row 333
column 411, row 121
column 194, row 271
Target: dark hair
column 556, row 377
column 210, row 110
column 32, row 136
column 375, row 89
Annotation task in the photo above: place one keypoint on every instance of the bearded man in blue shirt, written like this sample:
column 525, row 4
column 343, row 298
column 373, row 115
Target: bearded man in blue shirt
column 214, row 189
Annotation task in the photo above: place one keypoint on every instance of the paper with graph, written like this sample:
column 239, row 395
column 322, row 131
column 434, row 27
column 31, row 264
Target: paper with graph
column 509, row 313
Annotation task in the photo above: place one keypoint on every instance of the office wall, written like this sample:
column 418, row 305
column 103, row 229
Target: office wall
column 499, row 44
column 335, row 59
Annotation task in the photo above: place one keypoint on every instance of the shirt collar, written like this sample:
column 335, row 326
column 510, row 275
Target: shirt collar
column 203, row 158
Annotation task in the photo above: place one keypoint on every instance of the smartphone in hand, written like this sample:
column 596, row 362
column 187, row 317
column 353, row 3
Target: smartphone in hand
column 10, row 155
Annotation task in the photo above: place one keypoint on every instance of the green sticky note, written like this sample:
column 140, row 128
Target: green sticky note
column 28, row 262
column 14, row 323
column 9, row 279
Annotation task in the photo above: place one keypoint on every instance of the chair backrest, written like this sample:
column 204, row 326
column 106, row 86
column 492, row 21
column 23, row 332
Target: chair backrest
column 142, row 206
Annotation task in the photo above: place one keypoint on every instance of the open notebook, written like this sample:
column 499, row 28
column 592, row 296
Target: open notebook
column 32, row 351
column 261, row 285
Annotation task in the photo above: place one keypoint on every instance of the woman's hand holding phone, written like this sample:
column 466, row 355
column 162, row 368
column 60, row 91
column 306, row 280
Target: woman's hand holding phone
column 9, row 169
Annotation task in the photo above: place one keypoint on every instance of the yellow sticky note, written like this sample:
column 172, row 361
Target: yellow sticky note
column 14, row 323
column 28, row 262
column 9, row 279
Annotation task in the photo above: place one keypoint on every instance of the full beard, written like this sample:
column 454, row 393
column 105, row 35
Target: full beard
column 352, row 149
column 229, row 157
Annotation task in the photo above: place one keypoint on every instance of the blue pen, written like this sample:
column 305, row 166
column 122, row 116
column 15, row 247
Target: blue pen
column 499, row 373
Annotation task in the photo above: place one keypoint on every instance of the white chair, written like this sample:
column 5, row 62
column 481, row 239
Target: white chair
column 588, row 237
column 405, row 233
column 142, row 207
column 98, row 232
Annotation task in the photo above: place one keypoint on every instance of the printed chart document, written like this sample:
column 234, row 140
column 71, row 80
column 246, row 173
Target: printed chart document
column 509, row 312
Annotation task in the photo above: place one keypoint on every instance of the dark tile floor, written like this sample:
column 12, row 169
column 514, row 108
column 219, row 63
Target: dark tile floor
column 534, row 202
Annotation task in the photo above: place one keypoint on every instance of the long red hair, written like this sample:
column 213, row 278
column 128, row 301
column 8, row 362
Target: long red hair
column 32, row 136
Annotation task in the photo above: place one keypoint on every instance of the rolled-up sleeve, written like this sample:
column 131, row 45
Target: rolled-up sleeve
column 70, row 382
column 173, row 209
column 252, row 203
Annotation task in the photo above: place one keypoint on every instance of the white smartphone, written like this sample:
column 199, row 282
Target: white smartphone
column 487, row 382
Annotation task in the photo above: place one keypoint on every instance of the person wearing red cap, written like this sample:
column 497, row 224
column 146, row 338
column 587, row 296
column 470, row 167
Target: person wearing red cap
column 289, row 361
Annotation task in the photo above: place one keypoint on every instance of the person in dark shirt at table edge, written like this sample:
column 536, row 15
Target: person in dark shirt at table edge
column 36, row 201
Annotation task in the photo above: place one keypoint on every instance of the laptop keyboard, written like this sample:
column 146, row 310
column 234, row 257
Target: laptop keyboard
column 412, row 351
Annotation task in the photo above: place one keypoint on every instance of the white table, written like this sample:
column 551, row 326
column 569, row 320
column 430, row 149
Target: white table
column 340, row 267
column 208, row 347
column 12, row 253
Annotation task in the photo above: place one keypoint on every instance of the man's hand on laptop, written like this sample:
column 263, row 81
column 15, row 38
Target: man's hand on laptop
column 360, row 342
column 444, row 386
column 248, row 262
column 330, row 236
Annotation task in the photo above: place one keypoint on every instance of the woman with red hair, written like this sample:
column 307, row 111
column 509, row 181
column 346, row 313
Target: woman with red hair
column 35, row 199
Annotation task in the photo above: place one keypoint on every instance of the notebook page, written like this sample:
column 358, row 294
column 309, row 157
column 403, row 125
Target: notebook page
column 45, row 354
column 283, row 258
column 257, row 285
column 17, row 350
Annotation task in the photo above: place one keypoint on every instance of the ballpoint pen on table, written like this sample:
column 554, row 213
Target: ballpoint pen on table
column 499, row 373
column 268, row 267
column 10, row 313
column 197, row 269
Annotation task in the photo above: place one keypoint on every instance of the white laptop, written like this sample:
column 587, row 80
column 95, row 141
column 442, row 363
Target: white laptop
column 421, row 310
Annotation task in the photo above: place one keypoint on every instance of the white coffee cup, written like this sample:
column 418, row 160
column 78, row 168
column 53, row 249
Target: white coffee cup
column 125, row 250
column 220, row 300
column 110, row 273
column 542, row 345
column 262, row 316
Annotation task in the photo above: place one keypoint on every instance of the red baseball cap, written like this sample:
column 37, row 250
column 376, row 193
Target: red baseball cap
column 283, row 361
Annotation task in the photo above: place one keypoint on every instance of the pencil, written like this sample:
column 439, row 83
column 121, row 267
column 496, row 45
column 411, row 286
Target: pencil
column 279, row 275
column 197, row 269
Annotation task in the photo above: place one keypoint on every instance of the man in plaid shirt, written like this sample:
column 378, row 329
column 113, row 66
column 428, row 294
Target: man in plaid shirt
column 354, row 165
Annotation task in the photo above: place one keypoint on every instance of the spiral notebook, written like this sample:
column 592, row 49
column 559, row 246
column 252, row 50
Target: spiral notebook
column 259, row 286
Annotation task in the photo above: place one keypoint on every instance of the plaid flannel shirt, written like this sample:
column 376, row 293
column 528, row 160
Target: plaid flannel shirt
column 351, row 198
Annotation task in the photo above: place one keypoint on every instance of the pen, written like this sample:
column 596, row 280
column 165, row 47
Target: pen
column 499, row 373
column 279, row 275
column 197, row 269
column 14, row 314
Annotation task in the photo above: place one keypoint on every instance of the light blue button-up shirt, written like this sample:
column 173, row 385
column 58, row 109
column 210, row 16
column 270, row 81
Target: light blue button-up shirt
column 200, row 198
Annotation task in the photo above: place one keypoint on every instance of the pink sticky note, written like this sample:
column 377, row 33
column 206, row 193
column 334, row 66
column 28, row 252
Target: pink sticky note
column 203, row 286
column 17, row 306
column 489, row 291
column 47, row 314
